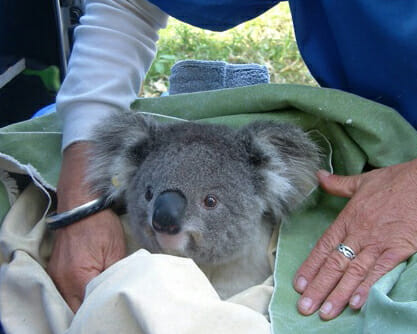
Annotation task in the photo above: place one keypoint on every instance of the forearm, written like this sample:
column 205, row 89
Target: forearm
column 72, row 188
column 115, row 45
column 82, row 250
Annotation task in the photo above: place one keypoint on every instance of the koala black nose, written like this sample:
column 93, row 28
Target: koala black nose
column 168, row 210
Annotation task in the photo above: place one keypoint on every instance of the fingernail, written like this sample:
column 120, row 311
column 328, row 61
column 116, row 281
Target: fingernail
column 326, row 308
column 305, row 303
column 301, row 284
column 323, row 173
column 355, row 300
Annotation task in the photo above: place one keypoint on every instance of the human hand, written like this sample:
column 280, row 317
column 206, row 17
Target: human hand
column 379, row 223
column 84, row 249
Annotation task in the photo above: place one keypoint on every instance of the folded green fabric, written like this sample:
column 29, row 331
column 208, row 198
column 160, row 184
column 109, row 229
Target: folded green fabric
column 353, row 131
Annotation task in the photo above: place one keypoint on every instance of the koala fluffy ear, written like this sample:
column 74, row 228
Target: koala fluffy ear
column 286, row 161
column 119, row 144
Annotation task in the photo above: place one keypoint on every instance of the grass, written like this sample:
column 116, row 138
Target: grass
column 267, row 40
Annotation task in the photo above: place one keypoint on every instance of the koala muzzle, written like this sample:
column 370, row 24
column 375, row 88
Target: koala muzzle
column 168, row 211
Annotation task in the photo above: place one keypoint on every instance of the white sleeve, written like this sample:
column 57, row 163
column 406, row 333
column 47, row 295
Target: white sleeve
column 114, row 48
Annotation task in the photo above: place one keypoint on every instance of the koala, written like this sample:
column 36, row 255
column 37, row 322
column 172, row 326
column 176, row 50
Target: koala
column 207, row 192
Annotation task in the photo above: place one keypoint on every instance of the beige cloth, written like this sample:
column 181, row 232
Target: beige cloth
column 143, row 293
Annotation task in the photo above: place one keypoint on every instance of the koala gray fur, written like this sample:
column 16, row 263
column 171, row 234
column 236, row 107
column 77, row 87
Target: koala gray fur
column 203, row 191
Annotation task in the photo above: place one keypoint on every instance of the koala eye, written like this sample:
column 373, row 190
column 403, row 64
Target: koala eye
column 210, row 201
column 149, row 193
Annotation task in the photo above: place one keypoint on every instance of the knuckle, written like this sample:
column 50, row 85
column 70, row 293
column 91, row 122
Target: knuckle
column 340, row 296
column 368, row 282
column 335, row 263
column 325, row 244
column 308, row 270
column 391, row 257
column 383, row 265
column 374, row 248
column 404, row 244
column 380, row 269
column 357, row 270
column 352, row 184
column 318, row 289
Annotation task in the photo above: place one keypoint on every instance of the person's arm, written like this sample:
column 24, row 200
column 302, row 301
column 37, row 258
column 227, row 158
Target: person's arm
column 379, row 224
column 114, row 47
column 84, row 249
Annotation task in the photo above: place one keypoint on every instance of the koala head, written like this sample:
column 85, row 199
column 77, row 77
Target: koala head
column 200, row 190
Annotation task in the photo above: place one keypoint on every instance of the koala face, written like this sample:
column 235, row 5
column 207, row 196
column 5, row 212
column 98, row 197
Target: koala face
column 200, row 191
column 194, row 195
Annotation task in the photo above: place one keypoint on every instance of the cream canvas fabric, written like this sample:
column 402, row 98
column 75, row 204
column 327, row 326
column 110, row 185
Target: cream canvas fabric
column 143, row 293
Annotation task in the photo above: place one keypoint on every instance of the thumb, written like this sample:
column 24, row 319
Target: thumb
column 343, row 186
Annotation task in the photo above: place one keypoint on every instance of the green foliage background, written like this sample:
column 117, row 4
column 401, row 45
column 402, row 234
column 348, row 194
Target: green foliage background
column 267, row 40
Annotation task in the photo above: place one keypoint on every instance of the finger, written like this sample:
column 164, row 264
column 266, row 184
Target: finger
column 355, row 274
column 74, row 302
column 385, row 263
column 343, row 186
column 76, row 293
column 327, row 278
column 321, row 251
column 72, row 284
column 69, row 290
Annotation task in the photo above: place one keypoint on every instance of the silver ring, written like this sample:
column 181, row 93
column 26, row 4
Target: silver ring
column 346, row 251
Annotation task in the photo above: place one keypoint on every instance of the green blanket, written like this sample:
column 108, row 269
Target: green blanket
column 353, row 131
